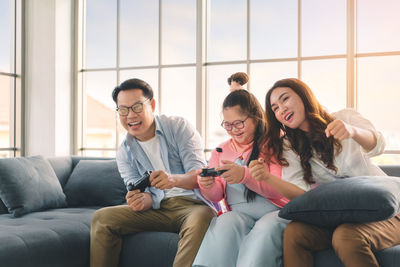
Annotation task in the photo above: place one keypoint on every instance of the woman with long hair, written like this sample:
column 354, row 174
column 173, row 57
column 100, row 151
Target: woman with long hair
column 316, row 147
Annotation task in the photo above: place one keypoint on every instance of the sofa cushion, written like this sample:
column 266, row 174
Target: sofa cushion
column 29, row 184
column 56, row 237
column 3, row 208
column 62, row 166
column 351, row 200
column 95, row 183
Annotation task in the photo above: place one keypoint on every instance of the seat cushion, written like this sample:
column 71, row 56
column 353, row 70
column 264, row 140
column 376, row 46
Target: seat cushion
column 350, row 200
column 29, row 184
column 59, row 237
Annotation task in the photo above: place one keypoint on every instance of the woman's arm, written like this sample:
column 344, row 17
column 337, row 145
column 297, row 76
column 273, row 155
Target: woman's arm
column 260, row 172
column 341, row 130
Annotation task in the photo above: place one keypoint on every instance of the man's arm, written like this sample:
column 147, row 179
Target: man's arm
column 162, row 180
column 191, row 153
column 136, row 200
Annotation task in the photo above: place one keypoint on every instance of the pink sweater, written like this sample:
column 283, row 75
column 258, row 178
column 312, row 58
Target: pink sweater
column 217, row 192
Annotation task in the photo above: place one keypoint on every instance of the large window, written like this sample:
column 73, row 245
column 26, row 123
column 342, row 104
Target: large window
column 10, row 78
column 348, row 51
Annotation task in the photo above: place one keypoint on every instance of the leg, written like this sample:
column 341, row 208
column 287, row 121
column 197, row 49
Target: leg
column 111, row 223
column 191, row 222
column 355, row 244
column 221, row 243
column 300, row 240
column 263, row 245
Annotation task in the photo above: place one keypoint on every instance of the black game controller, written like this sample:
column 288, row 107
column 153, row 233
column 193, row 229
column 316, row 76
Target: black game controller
column 211, row 172
column 143, row 184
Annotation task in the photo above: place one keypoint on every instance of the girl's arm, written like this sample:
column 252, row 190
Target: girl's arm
column 214, row 191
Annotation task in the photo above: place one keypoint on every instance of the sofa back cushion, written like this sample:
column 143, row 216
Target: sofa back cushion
column 3, row 208
column 62, row 167
column 29, row 184
column 95, row 183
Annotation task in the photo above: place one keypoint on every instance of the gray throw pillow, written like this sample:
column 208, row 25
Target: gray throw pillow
column 29, row 184
column 95, row 183
column 350, row 200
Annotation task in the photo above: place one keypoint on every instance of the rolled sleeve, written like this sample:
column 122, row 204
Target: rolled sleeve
column 190, row 145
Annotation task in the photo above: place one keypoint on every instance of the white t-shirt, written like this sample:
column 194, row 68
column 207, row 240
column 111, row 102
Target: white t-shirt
column 152, row 149
column 352, row 161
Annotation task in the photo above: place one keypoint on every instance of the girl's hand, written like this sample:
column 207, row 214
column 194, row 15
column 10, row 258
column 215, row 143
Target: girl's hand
column 206, row 182
column 234, row 173
column 258, row 170
column 340, row 130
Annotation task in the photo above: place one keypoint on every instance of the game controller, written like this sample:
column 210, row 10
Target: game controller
column 211, row 172
column 143, row 184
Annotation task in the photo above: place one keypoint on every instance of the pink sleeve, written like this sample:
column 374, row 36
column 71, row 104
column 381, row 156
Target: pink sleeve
column 261, row 187
column 216, row 192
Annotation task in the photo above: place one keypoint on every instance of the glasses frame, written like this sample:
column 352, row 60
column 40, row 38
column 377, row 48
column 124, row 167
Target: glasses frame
column 138, row 104
column 235, row 124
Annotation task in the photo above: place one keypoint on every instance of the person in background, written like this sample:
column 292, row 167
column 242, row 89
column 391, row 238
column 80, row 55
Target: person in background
column 237, row 80
column 251, row 233
column 169, row 147
column 318, row 147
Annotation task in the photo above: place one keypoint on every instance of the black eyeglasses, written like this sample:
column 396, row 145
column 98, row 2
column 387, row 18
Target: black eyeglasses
column 137, row 108
column 238, row 124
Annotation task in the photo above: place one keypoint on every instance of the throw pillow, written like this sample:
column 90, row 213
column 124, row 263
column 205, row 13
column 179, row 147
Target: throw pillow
column 95, row 183
column 29, row 184
column 350, row 200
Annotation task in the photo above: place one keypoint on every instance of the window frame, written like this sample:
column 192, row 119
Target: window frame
column 16, row 110
column 201, row 64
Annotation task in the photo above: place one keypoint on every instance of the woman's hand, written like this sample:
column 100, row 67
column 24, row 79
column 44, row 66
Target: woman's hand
column 340, row 130
column 234, row 173
column 258, row 170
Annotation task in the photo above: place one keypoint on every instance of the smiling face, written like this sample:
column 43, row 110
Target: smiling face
column 242, row 136
column 140, row 125
column 289, row 108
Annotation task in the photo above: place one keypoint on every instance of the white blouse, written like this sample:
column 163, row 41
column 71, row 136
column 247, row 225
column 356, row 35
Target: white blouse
column 352, row 161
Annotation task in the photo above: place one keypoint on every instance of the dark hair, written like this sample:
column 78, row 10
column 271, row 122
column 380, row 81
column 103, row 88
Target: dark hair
column 303, row 143
column 133, row 84
column 239, row 77
column 250, row 106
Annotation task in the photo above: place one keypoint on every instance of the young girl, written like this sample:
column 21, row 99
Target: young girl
column 318, row 147
column 251, row 233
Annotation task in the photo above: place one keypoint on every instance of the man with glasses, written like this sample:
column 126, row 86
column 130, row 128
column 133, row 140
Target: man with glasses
column 169, row 147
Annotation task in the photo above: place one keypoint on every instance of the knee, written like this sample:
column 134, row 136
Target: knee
column 101, row 218
column 231, row 222
column 294, row 233
column 202, row 216
column 347, row 237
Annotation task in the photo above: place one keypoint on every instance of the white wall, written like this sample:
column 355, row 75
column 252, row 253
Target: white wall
column 49, row 27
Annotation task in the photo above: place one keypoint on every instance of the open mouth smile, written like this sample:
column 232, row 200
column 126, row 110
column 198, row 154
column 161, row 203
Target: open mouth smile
column 288, row 116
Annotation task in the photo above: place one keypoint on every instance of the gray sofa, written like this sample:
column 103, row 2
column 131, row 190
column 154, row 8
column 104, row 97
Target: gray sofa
column 61, row 236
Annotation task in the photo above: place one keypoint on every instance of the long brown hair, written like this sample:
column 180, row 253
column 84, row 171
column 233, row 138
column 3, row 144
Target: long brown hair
column 250, row 106
column 303, row 143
